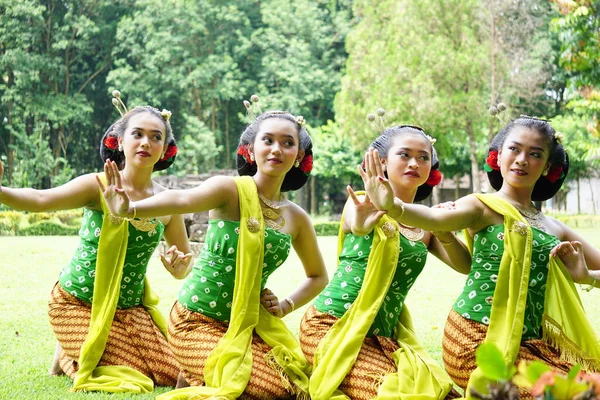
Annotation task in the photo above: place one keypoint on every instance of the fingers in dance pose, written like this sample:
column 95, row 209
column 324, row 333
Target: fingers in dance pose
column 514, row 246
column 139, row 142
column 359, row 321
column 223, row 310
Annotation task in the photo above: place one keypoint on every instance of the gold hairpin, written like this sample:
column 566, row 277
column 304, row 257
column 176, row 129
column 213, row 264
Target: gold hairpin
column 379, row 126
column 253, row 107
column 496, row 110
column 116, row 101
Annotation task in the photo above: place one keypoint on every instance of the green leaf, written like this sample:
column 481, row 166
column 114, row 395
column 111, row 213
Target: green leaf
column 573, row 372
column 491, row 361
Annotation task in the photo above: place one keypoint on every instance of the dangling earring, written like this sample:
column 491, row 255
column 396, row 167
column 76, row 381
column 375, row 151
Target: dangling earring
column 545, row 172
column 498, row 162
column 162, row 155
column 384, row 167
column 297, row 163
column 251, row 157
column 121, row 147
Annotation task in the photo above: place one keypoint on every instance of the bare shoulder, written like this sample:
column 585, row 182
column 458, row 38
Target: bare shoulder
column 558, row 229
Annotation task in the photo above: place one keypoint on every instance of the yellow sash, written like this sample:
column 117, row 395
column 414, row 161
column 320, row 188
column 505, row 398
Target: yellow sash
column 112, row 247
column 418, row 376
column 227, row 370
column 565, row 325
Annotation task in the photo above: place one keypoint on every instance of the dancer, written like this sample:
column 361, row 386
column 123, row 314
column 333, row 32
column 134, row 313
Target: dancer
column 359, row 334
column 519, row 294
column 219, row 333
column 111, row 336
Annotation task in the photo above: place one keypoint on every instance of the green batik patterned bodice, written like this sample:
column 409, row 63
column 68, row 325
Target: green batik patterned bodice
column 475, row 302
column 77, row 278
column 346, row 283
column 209, row 288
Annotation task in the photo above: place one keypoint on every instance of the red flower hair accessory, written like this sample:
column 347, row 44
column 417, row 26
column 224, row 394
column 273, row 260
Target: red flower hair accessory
column 491, row 163
column 245, row 153
column 171, row 152
column 555, row 173
column 435, row 177
column 307, row 164
column 111, row 142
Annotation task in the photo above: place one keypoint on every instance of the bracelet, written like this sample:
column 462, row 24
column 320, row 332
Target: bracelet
column 589, row 286
column 291, row 303
column 132, row 204
column 446, row 244
column 400, row 204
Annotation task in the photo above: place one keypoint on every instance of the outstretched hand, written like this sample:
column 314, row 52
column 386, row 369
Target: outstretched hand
column 571, row 254
column 377, row 186
column 366, row 214
column 115, row 197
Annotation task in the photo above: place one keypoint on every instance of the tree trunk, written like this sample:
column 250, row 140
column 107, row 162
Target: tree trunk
column 226, row 135
column 473, row 157
column 578, row 196
column 313, row 195
column 457, row 187
column 493, row 74
column 592, row 194
column 10, row 151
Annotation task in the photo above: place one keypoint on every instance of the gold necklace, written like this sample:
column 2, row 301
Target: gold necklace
column 270, row 203
column 534, row 218
column 271, row 216
column 141, row 224
column 412, row 235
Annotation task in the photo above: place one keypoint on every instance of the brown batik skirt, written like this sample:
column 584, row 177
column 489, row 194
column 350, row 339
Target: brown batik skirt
column 134, row 340
column 374, row 359
column 193, row 336
column 462, row 337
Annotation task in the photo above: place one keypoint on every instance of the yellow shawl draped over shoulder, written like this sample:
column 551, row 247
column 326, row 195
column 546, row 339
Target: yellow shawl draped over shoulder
column 418, row 376
column 227, row 370
column 112, row 247
column 565, row 325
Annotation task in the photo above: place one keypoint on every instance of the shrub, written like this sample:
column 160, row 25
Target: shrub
column 327, row 228
column 49, row 227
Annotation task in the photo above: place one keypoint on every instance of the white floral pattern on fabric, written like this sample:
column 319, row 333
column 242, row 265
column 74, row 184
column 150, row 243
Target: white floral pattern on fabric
column 475, row 302
column 213, row 275
column 346, row 283
column 79, row 275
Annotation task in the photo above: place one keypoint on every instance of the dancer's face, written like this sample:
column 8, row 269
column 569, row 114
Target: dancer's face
column 144, row 139
column 408, row 160
column 523, row 157
column 276, row 146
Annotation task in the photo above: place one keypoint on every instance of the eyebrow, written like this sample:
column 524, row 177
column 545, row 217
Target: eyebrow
column 142, row 129
column 409, row 149
column 533, row 147
column 283, row 134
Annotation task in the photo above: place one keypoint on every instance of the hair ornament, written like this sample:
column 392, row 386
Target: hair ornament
column 559, row 137
column 377, row 125
column 253, row 107
column 431, row 140
column 166, row 114
column 496, row 110
column 118, row 103
column 300, row 120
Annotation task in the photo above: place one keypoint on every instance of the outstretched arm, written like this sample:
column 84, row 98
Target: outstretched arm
column 79, row 192
column 215, row 192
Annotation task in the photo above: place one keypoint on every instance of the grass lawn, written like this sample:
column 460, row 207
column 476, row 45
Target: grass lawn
column 29, row 267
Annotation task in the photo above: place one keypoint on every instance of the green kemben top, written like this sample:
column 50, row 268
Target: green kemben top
column 475, row 302
column 77, row 278
column 346, row 283
column 209, row 288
